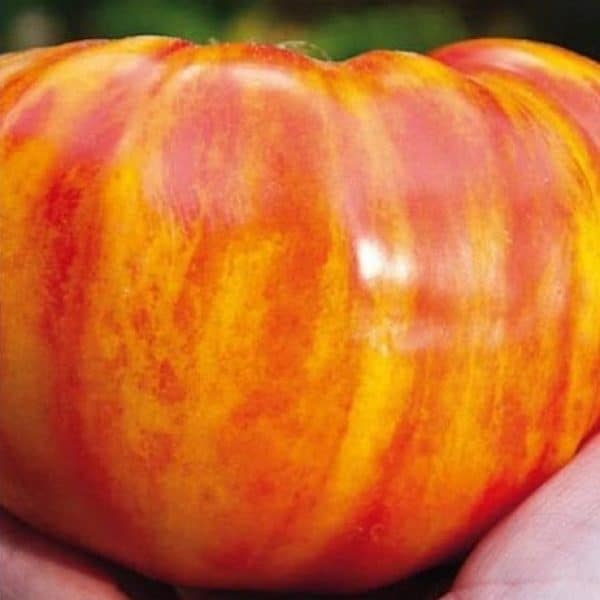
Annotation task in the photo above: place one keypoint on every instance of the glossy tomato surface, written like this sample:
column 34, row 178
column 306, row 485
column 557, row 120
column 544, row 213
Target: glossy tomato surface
column 268, row 322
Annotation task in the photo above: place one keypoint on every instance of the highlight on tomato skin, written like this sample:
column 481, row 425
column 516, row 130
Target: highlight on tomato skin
column 274, row 323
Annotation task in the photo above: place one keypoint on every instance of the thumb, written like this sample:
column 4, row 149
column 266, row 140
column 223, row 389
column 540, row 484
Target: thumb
column 549, row 547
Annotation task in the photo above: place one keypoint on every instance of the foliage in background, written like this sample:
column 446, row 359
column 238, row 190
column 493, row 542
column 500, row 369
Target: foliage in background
column 339, row 28
column 117, row 18
column 415, row 27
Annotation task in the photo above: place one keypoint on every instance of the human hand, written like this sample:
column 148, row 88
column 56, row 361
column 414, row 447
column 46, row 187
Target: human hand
column 35, row 568
column 549, row 547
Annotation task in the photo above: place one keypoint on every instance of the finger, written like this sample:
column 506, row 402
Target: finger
column 33, row 568
column 549, row 547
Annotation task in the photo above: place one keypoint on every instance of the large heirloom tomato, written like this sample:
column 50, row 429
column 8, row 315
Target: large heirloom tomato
column 268, row 322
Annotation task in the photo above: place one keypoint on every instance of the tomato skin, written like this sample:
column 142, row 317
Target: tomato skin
column 568, row 80
column 268, row 322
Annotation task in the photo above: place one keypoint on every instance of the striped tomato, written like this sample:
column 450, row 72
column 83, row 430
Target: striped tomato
column 269, row 322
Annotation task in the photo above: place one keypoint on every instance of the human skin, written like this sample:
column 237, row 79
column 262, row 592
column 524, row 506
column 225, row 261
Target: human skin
column 549, row 547
column 33, row 567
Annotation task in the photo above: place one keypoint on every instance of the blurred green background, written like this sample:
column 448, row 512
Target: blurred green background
column 330, row 28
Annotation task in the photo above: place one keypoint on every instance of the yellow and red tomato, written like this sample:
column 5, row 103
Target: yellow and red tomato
column 268, row 322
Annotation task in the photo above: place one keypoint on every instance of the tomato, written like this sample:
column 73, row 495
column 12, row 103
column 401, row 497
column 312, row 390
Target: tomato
column 268, row 322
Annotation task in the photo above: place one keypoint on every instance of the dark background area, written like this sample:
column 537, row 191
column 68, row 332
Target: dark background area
column 331, row 28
